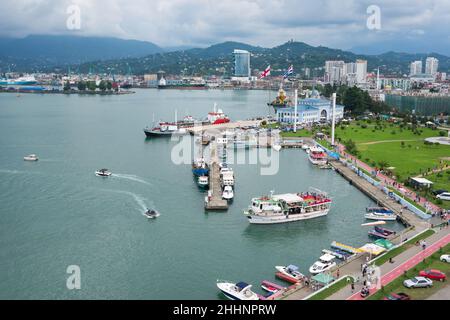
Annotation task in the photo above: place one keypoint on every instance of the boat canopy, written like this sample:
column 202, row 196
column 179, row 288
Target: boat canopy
column 384, row 243
column 292, row 268
column 289, row 197
column 242, row 285
column 327, row 258
column 323, row 278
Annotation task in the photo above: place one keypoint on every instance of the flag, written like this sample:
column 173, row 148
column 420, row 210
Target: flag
column 266, row 73
column 288, row 72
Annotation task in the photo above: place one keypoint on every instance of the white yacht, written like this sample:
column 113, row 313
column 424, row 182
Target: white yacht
column 291, row 271
column 237, row 291
column 380, row 214
column 325, row 263
column 228, row 193
column 31, row 157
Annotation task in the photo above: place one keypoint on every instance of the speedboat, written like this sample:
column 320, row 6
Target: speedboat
column 380, row 214
column 270, row 287
column 291, row 271
column 237, row 291
column 382, row 233
column 103, row 173
column 203, row 181
column 31, row 157
column 228, row 193
column 325, row 263
column 152, row 214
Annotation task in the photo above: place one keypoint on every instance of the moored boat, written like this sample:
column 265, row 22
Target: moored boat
column 325, row 263
column 271, row 287
column 290, row 273
column 288, row 207
column 237, row 291
column 381, row 233
column 200, row 168
column 318, row 156
column 383, row 214
column 228, row 193
column 203, row 182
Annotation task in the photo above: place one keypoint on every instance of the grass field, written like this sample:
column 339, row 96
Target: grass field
column 441, row 182
column 303, row 133
column 431, row 262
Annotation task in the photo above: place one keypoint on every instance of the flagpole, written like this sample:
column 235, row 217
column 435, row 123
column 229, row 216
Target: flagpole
column 295, row 108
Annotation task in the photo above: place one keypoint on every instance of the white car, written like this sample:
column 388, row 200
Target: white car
column 444, row 196
column 445, row 258
column 418, row 282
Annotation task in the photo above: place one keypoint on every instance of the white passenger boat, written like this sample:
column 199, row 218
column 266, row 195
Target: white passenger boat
column 103, row 173
column 318, row 156
column 31, row 157
column 325, row 263
column 288, row 207
column 381, row 214
column 237, row 291
column 228, row 193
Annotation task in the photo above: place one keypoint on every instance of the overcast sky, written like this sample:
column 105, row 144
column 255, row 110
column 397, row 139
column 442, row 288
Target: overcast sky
column 406, row 25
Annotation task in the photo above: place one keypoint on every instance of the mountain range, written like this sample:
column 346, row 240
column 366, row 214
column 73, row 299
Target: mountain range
column 112, row 55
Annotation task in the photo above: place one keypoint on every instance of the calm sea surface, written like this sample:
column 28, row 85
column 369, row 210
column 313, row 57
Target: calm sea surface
column 56, row 212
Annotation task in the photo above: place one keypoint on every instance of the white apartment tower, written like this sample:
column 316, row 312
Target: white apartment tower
column 431, row 66
column 361, row 71
column 416, row 68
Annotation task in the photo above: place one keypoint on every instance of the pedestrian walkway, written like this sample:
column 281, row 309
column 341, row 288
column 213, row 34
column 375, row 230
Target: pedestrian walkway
column 404, row 261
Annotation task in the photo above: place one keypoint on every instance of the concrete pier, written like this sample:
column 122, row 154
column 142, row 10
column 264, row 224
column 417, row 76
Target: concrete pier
column 215, row 201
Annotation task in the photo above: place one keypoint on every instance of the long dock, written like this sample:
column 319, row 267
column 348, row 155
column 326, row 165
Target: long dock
column 215, row 201
column 223, row 126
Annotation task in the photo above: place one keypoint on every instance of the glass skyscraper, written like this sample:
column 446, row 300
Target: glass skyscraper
column 241, row 63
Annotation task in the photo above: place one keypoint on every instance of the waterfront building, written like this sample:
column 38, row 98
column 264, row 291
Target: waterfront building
column 422, row 78
column 415, row 68
column 361, row 71
column 242, row 64
column 309, row 111
column 431, row 66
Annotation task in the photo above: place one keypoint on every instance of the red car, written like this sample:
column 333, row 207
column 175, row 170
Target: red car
column 433, row 274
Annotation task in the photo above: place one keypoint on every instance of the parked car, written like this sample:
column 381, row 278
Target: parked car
column 440, row 191
column 418, row 282
column 433, row 274
column 445, row 258
column 444, row 196
column 398, row 296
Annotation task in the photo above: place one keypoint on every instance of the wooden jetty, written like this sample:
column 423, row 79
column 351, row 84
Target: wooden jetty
column 214, row 199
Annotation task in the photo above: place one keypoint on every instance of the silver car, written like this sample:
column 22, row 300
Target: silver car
column 445, row 258
column 418, row 282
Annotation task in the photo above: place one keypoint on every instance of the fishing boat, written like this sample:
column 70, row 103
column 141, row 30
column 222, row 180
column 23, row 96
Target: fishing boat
column 228, row 193
column 31, row 157
column 103, row 173
column 217, row 116
column 271, row 287
column 152, row 214
column 237, row 291
column 383, row 214
column 203, row 182
column 290, row 273
column 200, row 168
column 164, row 129
column 318, row 156
column 289, row 207
column 381, row 233
column 325, row 263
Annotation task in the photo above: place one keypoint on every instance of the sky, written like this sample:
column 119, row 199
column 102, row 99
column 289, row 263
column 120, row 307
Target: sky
column 402, row 25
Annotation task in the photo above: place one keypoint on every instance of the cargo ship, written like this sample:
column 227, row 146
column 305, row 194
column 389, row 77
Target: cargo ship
column 22, row 81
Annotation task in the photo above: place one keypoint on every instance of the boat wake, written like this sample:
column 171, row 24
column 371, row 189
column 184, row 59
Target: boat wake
column 131, row 177
column 140, row 201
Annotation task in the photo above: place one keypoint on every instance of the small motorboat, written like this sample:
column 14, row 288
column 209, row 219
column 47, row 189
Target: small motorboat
column 103, row 173
column 31, row 157
column 325, row 263
column 270, row 287
column 382, row 233
column 152, row 214
column 237, row 291
column 203, row 181
column 383, row 214
column 228, row 193
column 290, row 273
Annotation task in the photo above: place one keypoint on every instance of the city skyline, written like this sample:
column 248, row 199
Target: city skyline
column 404, row 26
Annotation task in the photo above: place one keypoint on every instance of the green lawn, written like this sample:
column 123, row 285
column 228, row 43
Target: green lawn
column 303, row 133
column 441, row 182
column 408, row 244
column 431, row 262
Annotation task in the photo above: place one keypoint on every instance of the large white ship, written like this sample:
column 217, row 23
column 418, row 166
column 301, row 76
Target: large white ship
column 288, row 207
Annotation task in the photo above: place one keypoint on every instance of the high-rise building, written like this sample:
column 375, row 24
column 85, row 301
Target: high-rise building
column 350, row 68
column 242, row 63
column 416, row 68
column 431, row 66
column 361, row 71
column 334, row 71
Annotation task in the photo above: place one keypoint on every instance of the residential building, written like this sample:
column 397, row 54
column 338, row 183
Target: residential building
column 431, row 66
column 415, row 68
column 361, row 71
column 242, row 63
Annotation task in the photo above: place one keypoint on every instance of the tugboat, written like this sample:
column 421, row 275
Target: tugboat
column 152, row 214
column 103, row 173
